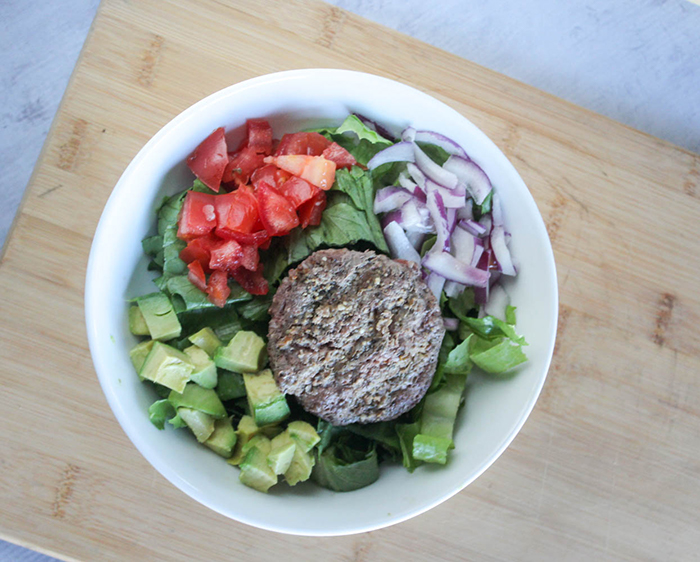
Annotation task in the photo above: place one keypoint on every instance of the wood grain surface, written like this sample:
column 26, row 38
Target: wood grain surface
column 606, row 468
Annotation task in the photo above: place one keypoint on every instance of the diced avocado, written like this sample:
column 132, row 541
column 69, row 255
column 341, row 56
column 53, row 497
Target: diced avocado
column 255, row 471
column 201, row 424
column 206, row 339
column 281, row 452
column 159, row 412
column 266, row 401
column 304, row 434
column 167, row 366
column 137, row 323
column 230, row 385
column 204, row 373
column 300, row 468
column 245, row 432
column 139, row 353
column 159, row 316
column 198, row 398
column 271, row 430
column 223, row 439
column 245, row 353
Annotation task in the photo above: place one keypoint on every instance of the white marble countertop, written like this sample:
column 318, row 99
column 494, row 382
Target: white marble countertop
column 636, row 61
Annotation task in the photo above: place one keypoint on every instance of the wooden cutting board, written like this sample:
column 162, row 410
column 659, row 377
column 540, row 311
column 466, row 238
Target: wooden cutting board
column 608, row 465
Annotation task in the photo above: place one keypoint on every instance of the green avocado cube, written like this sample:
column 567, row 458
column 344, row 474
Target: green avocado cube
column 167, row 366
column 201, row 424
column 204, row 373
column 255, row 472
column 160, row 317
column 247, row 429
column 230, row 385
column 245, row 353
column 223, row 439
column 207, row 340
column 267, row 403
column 139, row 353
column 304, row 433
column 300, row 468
column 281, row 452
column 197, row 398
column 137, row 323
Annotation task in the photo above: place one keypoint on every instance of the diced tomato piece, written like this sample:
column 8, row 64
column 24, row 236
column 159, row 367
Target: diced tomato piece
column 310, row 212
column 251, row 281
column 276, row 212
column 308, row 144
column 209, row 159
column 226, row 256
column 259, row 136
column 241, row 165
column 266, row 245
column 199, row 250
column 298, row 191
column 257, row 239
column 197, row 216
column 314, row 169
column 218, row 289
column 271, row 175
column 250, row 259
column 341, row 157
column 236, row 212
column 196, row 276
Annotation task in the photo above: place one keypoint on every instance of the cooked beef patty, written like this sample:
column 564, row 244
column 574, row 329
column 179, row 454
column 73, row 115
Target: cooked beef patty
column 354, row 336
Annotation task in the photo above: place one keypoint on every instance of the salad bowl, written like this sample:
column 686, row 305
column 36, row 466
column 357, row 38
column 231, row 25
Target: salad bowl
column 495, row 407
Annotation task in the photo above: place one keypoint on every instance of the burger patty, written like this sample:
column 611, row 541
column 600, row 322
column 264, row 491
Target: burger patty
column 354, row 336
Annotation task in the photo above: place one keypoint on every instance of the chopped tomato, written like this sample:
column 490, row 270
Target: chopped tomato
column 241, row 165
column 314, row 169
column 341, row 157
column 226, row 256
column 308, row 144
column 209, row 159
column 199, row 250
column 197, row 216
column 257, row 239
column 310, row 212
column 259, row 136
column 251, row 281
column 196, row 276
column 218, row 289
column 250, row 259
column 271, row 175
column 276, row 212
column 236, row 212
column 266, row 245
column 298, row 191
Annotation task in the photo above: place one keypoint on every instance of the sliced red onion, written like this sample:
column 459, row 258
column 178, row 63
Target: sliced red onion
column 439, row 175
column 415, row 216
column 438, row 213
column 416, row 238
column 452, row 198
column 486, row 224
column 448, row 145
column 435, row 284
column 399, row 245
column 408, row 134
column 496, row 210
column 394, row 216
column 416, row 174
column 463, row 245
column 481, row 294
column 478, row 251
column 399, row 152
column 452, row 269
column 451, row 324
column 390, row 198
column 501, row 252
column 472, row 227
column 410, row 185
column 453, row 289
column 451, row 220
column 497, row 303
column 470, row 174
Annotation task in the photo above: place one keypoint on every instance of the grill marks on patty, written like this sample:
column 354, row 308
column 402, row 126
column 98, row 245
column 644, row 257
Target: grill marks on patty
column 354, row 336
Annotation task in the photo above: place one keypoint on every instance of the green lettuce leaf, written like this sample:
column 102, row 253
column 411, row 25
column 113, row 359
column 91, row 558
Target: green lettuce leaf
column 458, row 361
column 407, row 433
column 498, row 357
column 349, row 463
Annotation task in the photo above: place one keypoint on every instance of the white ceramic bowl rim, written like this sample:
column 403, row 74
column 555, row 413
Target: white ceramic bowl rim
column 103, row 324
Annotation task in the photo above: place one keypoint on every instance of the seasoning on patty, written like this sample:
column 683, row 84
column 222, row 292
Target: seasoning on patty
column 354, row 336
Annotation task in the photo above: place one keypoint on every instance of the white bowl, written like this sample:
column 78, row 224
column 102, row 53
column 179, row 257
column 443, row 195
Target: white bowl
column 495, row 408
